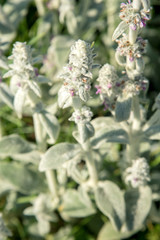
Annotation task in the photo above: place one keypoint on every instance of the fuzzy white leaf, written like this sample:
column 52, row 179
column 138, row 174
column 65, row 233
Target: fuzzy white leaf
column 19, row 101
column 64, row 98
column 6, row 95
column 57, row 155
column 138, row 204
column 35, row 88
column 107, row 232
column 123, row 109
column 110, row 201
column 73, row 205
column 51, row 125
column 119, row 30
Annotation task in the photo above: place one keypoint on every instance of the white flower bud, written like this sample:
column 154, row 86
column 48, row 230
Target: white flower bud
column 82, row 115
column 138, row 174
column 109, row 86
column 77, row 74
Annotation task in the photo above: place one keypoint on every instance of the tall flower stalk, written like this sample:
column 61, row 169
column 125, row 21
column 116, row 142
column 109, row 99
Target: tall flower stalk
column 75, row 92
column 24, row 84
column 120, row 95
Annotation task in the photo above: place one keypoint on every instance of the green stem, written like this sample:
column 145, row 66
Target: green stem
column 52, row 184
column 90, row 162
column 136, row 114
column 50, row 175
column 135, row 133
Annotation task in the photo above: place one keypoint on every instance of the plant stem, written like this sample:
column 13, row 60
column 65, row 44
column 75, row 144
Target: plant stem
column 90, row 162
column 135, row 136
column 136, row 114
column 50, row 174
column 52, row 184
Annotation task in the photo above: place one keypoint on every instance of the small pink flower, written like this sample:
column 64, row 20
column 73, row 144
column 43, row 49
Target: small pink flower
column 131, row 59
column 142, row 23
column 19, row 84
column 36, row 71
column 98, row 89
column 133, row 27
column 109, row 85
column 72, row 92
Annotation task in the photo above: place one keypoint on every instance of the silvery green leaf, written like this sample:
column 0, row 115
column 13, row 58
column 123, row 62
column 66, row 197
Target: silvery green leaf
column 146, row 4
column 6, row 95
column 19, row 101
column 138, row 204
column 105, row 135
column 21, row 178
column 83, row 94
column 52, row 108
column 62, row 176
column 123, row 109
column 77, row 103
column 35, row 88
column 155, row 185
column 14, row 144
column 41, row 79
column 110, row 201
column 13, row 12
column 73, row 205
column 84, row 195
column 71, row 21
column 29, row 157
column 57, row 155
column 64, row 233
column 3, row 63
column 119, row 30
column 64, row 98
column 154, row 120
column 105, row 122
column 132, row 35
column 4, row 231
column 39, row 131
column 76, row 136
column 154, row 214
column 37, row 59
column 61, row 47
column 50, row 124
column 43, row 226
column 76, row 168
column 90, row 129
column 107, row 130
column 107, row 232
column 10, row 73
column 153, row 132
column 15, row 80
column 86, row 131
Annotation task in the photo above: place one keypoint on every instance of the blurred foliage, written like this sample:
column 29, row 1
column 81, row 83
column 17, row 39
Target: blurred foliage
column 51, row 30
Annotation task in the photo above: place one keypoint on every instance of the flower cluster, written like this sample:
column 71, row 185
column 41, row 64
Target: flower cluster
column 82, row 115
column 22, row 61
column 77, row 74
column 138, row 174
column 132, row 50
column 133, row 19
column 133, row 88
column 110, row 86
column 22, row 70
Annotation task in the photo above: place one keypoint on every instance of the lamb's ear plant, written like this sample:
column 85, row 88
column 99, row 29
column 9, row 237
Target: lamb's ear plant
column 105, row 169
column 121, row 95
